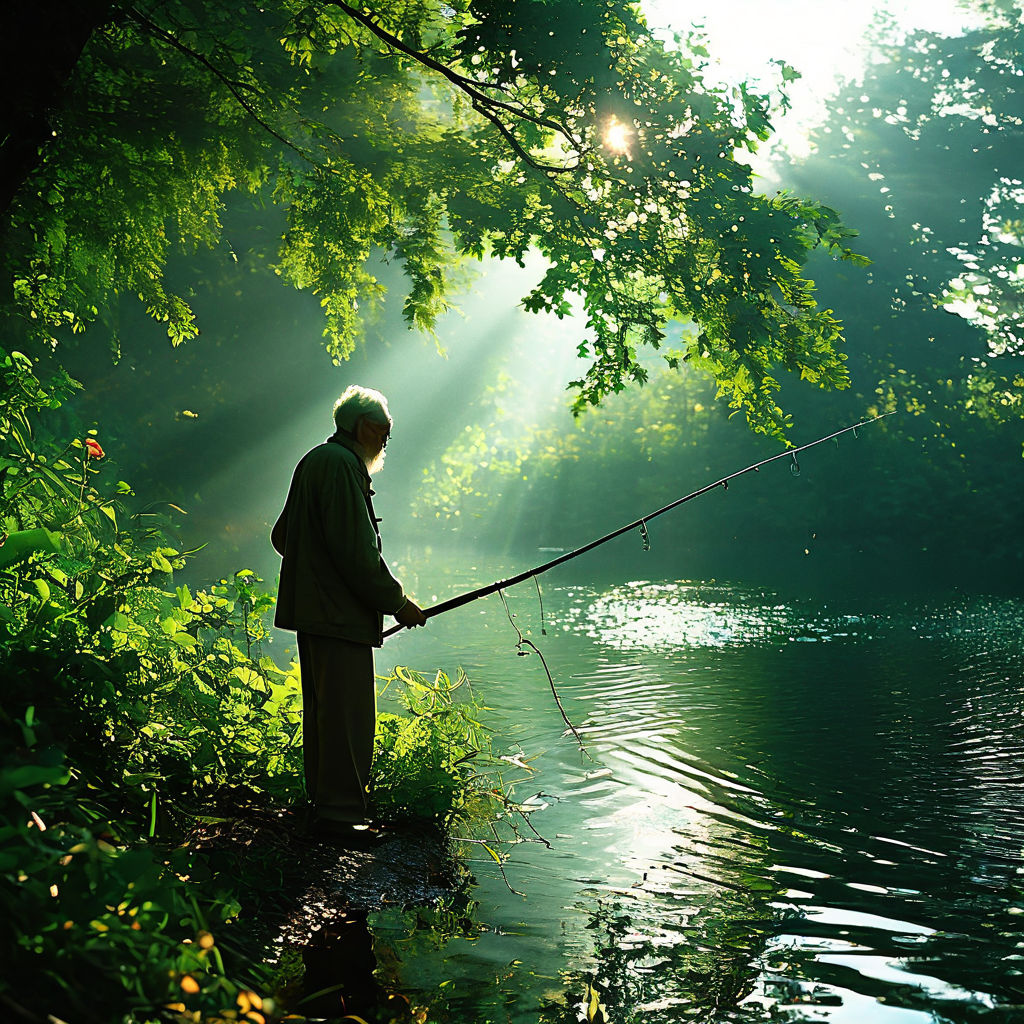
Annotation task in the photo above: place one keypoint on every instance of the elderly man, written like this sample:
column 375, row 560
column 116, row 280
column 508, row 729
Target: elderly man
column 334, row 592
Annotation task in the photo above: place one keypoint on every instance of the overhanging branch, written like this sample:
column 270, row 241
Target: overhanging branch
column 233, row 87
column 484, row 104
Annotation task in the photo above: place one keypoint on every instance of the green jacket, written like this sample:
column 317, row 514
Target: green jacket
column 334, row 580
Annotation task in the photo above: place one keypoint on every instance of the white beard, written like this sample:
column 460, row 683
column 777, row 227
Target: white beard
column 376, row 464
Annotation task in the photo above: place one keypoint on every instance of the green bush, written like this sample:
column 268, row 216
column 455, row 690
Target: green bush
column 128, row 705
column 431, row 763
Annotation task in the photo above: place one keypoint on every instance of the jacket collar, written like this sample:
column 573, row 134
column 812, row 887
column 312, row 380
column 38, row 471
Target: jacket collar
column 346, row 440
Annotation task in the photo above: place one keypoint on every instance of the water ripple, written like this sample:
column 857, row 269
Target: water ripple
column 797, row 812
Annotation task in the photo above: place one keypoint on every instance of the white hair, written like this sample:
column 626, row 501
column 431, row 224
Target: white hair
column 357, row 402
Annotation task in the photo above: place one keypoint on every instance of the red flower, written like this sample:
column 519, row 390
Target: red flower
column 93, row 448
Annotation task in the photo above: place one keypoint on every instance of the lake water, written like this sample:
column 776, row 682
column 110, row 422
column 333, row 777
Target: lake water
column 796, row 809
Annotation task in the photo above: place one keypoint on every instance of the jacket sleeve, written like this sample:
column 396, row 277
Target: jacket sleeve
column 280, row 532
column 351, row 541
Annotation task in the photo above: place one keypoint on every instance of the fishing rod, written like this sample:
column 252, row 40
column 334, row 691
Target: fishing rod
column 641, row 524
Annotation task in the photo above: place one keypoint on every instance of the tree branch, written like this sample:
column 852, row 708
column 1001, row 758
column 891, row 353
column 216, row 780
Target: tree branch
column 516, row 145
column 231, row 86
column 482, row 103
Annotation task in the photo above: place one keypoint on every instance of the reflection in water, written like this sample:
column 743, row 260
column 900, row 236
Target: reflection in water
column 798, row 812
column 338, row 971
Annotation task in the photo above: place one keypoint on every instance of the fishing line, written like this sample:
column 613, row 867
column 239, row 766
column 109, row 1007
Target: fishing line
column 536, row 650
column 540, row 601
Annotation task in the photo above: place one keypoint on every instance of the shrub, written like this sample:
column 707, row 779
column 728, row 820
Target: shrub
column 127, row 704
column 429, row 763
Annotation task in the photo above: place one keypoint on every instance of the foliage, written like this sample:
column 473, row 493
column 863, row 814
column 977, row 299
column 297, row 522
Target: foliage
column 895, row 502
column 425, row 760
column 94, row 619
column 629, row 437
column 127, row 707
column 925, row 152
column 96, row 920
column 425, row 133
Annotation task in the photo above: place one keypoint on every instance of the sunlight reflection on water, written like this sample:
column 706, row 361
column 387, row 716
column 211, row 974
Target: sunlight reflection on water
column 646, row 615
column 808, row 813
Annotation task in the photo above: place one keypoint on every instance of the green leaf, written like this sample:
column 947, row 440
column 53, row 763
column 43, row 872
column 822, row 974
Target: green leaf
column 493, row 853
column 58, row 575
column 159, row 561
column 29, row 775
column 22, row 543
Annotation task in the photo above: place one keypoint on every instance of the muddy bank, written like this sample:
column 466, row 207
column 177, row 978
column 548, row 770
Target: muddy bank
column 305, row 901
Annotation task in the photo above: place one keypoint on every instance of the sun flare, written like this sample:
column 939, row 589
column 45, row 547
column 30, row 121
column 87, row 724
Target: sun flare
column 617, row 137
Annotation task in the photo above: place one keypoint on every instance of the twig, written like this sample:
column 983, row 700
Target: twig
column 480, row 106
column 497, row 860
column 232, row 87
column 529, row 824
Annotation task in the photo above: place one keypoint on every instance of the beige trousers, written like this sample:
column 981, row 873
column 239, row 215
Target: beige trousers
column 339, row 714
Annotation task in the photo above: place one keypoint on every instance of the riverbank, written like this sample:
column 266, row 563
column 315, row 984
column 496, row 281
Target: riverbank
column 304, row 905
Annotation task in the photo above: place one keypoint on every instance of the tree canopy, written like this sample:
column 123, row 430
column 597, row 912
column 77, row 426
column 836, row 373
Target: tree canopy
column 924, row 152
column 921, row 152
column 424, row 133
